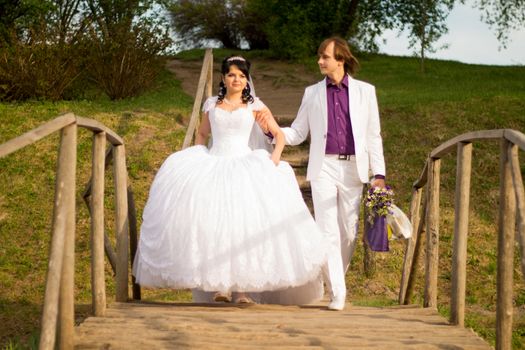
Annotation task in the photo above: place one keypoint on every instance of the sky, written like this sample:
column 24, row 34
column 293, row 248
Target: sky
column 469, row 41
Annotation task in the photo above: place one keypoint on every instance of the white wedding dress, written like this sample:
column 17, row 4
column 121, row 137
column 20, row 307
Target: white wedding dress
column 227, row 219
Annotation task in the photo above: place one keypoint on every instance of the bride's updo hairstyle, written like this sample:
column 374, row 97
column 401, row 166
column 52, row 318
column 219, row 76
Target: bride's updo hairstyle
column 244, row 66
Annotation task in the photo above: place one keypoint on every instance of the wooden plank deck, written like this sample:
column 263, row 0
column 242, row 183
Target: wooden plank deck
column 228, row 326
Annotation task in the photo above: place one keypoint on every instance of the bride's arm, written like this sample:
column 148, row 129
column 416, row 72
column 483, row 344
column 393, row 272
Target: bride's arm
column 270, row 125
column 204, row 131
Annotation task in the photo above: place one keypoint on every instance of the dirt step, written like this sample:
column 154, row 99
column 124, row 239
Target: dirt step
column 296, row 160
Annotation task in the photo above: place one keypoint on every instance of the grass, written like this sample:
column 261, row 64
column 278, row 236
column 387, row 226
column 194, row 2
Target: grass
column 418, row 112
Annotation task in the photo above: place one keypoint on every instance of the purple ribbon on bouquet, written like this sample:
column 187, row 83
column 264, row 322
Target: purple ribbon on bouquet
column 376, row 234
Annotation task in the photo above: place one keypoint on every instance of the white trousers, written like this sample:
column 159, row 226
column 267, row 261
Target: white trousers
column 336, row 195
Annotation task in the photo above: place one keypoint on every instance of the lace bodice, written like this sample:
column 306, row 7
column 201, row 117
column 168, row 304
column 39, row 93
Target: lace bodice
column 231, row 130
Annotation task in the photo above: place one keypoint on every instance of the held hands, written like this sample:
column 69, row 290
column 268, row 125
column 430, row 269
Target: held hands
column 263, row 117
column 267, row 124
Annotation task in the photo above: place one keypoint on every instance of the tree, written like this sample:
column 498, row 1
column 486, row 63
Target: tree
column 197, row 21
column 425, row 20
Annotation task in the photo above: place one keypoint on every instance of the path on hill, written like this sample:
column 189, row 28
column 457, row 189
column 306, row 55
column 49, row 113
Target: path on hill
column 279, row 84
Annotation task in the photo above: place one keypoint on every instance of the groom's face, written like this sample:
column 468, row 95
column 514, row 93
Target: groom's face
column 328, row 64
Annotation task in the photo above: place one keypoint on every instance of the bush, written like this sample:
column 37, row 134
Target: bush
column 53, row 50
column 126, row 63
column 38, row 69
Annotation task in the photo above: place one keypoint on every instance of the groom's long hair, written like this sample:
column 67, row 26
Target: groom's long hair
column 341, row 53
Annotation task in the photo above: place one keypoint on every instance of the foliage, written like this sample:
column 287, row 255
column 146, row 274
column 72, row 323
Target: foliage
column 503, row 16
column 40, row 51
column 201, row 20
column 18, row 15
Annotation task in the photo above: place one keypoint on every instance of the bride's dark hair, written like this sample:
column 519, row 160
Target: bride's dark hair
column 244, row 66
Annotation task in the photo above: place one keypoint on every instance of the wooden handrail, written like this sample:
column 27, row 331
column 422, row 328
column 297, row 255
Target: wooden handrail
column 515, row 137
column 59, row 291
column 449, row 146
column 512, row 211
column 97, row 127
column 36, row 134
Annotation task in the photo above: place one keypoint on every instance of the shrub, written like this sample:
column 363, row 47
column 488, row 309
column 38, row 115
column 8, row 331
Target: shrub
column 38, row 69
column 126, row 63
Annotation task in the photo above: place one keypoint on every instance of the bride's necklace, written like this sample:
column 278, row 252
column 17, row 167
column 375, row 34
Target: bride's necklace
column 233, row 104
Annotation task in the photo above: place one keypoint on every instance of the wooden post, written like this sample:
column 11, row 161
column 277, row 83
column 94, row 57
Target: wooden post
column 122, row 224
column 192, row 127
column 133, row 241
column 98, row 284
column 421, row 232
column 459, row 255
column 64, row 191
column 415, row 204
column 67, row 283
column 507, row 221
column 520, row 203
column 108, row 248
column 432, row 248
column 209, row 77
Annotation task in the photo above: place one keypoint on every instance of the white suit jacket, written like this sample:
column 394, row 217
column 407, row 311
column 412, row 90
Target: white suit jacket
column 364, row 115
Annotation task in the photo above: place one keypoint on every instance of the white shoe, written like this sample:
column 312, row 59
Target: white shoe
column 337, row 303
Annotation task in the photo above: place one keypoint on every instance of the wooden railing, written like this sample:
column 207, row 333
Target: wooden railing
column 511, row 211
column 59, row 290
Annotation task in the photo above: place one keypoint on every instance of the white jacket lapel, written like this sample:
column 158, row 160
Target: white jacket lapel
column 353, row 104
column 323, row 104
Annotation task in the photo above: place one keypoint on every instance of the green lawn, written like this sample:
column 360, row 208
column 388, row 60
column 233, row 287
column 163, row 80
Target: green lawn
column 418, row 113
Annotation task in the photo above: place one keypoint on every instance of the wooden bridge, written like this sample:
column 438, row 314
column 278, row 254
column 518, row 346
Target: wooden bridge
column 130, row 323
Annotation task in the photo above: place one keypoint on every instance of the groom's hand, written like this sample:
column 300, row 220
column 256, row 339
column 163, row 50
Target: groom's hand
column 378, row 183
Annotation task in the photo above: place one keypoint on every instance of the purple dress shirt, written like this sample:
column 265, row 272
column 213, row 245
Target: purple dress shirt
column 340, row 138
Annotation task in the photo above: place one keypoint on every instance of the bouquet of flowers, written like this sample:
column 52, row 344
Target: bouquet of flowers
column 378, row 204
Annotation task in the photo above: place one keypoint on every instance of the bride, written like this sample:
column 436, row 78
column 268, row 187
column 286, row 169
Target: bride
column 230, row 220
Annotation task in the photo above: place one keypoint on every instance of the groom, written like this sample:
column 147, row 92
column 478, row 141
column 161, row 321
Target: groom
column 341, row 115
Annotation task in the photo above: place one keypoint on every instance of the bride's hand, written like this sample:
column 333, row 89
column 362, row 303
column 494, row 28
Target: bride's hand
column 275, row 159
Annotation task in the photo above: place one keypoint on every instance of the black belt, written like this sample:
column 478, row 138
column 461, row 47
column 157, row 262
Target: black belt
column 345, row 156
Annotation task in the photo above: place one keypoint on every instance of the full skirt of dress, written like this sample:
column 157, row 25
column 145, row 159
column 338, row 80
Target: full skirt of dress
column 227, row 223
